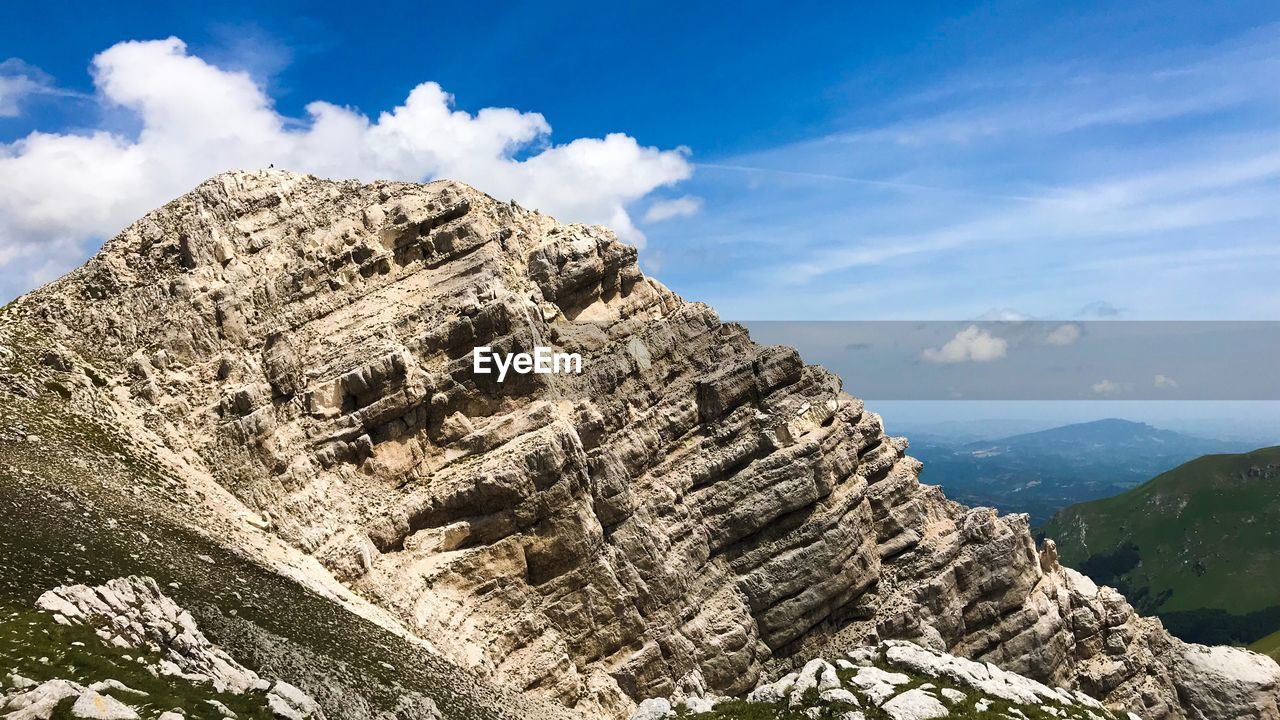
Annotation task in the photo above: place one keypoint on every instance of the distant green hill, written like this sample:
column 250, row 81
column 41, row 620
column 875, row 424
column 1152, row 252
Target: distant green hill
column 1042, row 472
column 1269, row 645
column 1198, row 545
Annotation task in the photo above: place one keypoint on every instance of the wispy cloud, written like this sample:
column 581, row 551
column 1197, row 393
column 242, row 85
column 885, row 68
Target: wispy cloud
column 1192, row 195
column 684, row 206
column 1038, row 186
column 20, row 82
column 1040, row 99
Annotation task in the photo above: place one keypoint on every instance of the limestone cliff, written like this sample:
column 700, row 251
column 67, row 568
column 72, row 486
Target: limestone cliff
column 692, row 508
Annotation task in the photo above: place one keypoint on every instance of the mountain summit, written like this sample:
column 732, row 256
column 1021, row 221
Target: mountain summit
column 270, row 379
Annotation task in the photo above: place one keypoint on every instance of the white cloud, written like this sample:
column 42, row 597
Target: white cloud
column 13, row 90
column 1099, row 309
column 1106, row 387
column 59, row 191
column 677, row 207
column 972, row 344
column 1004, row 314
column 1064, row 334
column 1165, row 382
column 20, row 81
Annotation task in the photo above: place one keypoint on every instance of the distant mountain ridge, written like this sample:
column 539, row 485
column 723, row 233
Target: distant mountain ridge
column 1198, row 545
column 1044, row 471
column 1108, row 433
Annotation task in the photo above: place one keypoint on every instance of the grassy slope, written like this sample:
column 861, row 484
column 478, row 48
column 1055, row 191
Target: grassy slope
column 1269, row 645
column 35, row 647
column 80, row 506
column 1206, row 530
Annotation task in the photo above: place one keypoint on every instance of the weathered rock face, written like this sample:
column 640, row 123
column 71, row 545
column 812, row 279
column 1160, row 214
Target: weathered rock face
column 692, row 506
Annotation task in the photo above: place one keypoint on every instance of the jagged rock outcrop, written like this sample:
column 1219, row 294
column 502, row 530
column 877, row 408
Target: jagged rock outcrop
column 132, row 612
column 897, row 680
column 691, row 508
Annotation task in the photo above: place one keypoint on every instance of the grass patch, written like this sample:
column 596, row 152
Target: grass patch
column 1269, row 645
column 36, row 647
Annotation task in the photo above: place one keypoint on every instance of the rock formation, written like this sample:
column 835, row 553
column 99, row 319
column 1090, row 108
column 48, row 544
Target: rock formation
column 692, row 509
column 133, row 613
column 897, row 680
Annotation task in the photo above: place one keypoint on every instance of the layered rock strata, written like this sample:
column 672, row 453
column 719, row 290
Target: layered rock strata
column 692, row 507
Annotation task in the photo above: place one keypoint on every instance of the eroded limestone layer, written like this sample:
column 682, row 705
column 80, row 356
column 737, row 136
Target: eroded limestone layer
column 692, row 508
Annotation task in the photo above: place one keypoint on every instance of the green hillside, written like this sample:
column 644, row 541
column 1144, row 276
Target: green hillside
column 1198, row 545
column 1269, row 645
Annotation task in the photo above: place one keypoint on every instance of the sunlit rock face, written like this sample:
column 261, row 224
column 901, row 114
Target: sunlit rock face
column 691, row 505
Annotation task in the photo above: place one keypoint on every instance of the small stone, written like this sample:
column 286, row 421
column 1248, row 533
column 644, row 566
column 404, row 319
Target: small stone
column 226, row 711
column 915, row 705
column 699, row 705
column 878, row 684
column 101, row 707
column 114, row 685
column 839, row 695
column 953, row 696
column 292, row 703
column 19, row 682
column 653, row 709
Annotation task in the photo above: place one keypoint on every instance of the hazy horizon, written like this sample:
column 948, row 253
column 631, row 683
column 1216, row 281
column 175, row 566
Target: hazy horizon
column 1252, row 421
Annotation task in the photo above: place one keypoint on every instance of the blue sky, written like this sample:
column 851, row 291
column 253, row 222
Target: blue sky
column 931, row 161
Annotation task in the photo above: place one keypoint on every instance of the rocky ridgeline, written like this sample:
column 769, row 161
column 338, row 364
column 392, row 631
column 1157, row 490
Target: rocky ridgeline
column 896, row 680
column 693, row 505
column 132, row 612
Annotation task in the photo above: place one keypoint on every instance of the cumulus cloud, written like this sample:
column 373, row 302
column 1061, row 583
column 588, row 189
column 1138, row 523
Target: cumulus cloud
column 59, row 191
column 1165, row 382
column 674, row 208
column 1100, row 309
column 1064, row 334
column 973, row 344
column 1106, row 387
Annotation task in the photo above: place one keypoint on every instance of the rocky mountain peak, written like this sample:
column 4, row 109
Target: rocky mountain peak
column 690, row 509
